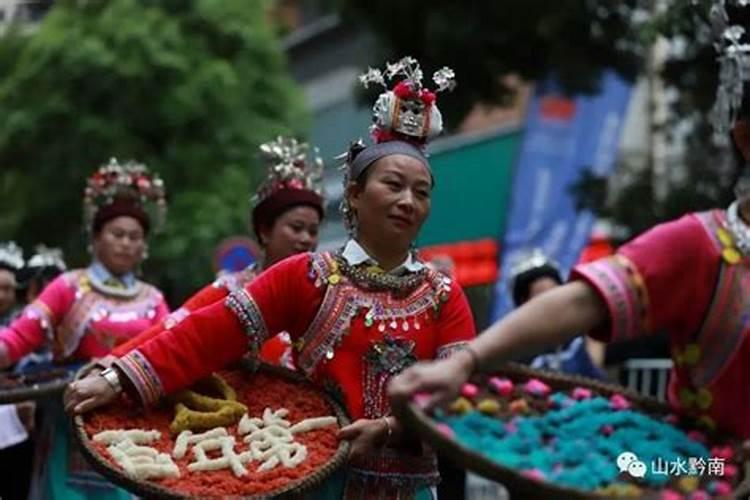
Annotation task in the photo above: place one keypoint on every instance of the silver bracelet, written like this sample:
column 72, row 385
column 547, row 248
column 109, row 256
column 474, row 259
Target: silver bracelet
column 112, row 378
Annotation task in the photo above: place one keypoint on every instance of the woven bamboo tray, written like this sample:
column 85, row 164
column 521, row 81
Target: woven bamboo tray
column 149, row 489
column 520, row 486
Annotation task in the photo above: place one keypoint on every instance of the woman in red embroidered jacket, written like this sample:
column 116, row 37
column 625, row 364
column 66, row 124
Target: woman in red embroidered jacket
column 357, row 317
column 286, row 215
column 689, row 277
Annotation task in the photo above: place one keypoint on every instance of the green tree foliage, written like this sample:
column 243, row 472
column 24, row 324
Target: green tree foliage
column 189, row 87
column 703, row 176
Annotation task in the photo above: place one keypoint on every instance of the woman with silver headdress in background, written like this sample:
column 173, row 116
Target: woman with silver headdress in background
column 44, row 266
column 286, row 213
column 533, row 275
column 83, row 313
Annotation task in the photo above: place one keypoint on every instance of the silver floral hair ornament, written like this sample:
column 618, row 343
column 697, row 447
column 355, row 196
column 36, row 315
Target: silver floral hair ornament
column 734, row 67
column 291, row 165
column 47, row 257
column 408, row 111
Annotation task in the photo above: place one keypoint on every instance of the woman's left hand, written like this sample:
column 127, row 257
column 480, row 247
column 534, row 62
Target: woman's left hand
column 366, row 437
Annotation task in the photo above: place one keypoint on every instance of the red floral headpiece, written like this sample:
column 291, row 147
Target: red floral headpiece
column 120, row 189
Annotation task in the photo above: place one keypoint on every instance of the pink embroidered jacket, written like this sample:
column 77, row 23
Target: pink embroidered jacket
column 687, row 278
column 82, row 320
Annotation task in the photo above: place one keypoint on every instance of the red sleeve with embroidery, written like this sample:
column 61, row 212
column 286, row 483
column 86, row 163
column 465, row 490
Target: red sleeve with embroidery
column 27, row 332
column 455, row 327
column 660, row 281
column 282, row 298
column 206, row 296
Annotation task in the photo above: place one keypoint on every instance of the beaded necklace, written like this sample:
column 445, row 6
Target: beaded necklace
column 375, row 280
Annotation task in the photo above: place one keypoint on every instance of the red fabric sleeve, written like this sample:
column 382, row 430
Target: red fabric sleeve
column 660, row 281
column 280, row 299
column 27, row 332
column 456, row 325
column 206, row 296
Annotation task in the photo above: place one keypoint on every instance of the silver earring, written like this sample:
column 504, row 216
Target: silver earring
column 353, row 227
column 144, row 253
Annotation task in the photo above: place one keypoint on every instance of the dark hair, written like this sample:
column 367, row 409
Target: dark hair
column 267, row 212
column 118, row 208
column 269, row 222
column 524, row 281
column 11, row 269
column 40, row 275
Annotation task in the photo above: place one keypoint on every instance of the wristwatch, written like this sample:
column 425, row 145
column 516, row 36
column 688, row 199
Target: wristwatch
column 112, row 378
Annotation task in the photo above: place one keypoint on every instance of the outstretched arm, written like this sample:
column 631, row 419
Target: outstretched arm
column 549, row 319
column 281, row 299
column 648, row 286
column 37, row 322
column 206, row 296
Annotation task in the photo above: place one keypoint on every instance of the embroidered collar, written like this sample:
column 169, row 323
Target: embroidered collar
column 355, row 255
column 739, row 229
column 106, row 282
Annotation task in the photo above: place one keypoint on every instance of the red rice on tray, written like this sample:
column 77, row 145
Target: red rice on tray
column 258, row 392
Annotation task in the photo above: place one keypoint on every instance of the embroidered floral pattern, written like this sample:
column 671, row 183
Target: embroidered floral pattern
column 92, row 305
column 244, row 307
column 728, row 315
column 388, row 474
column 624, row 291
column 383, row 360
column 344, row 300
column 142, row 375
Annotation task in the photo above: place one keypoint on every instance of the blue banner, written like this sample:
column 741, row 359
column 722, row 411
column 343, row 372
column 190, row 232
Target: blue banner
column 564, row 136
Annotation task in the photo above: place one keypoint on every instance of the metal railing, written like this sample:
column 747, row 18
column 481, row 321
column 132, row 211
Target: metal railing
column 648, row 376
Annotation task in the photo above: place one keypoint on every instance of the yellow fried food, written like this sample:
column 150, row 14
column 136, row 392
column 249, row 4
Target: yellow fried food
column 195, row 411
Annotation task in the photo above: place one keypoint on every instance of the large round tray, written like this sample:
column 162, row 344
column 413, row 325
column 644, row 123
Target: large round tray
column 149, row 489
column 31, row 388
column 520, row 486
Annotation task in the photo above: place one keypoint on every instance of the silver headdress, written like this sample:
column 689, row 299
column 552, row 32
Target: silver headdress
column 11, row 256
column 291, row 165
column 47, row 257
column 528, row 260
column 734, row 67
column 408, row 110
